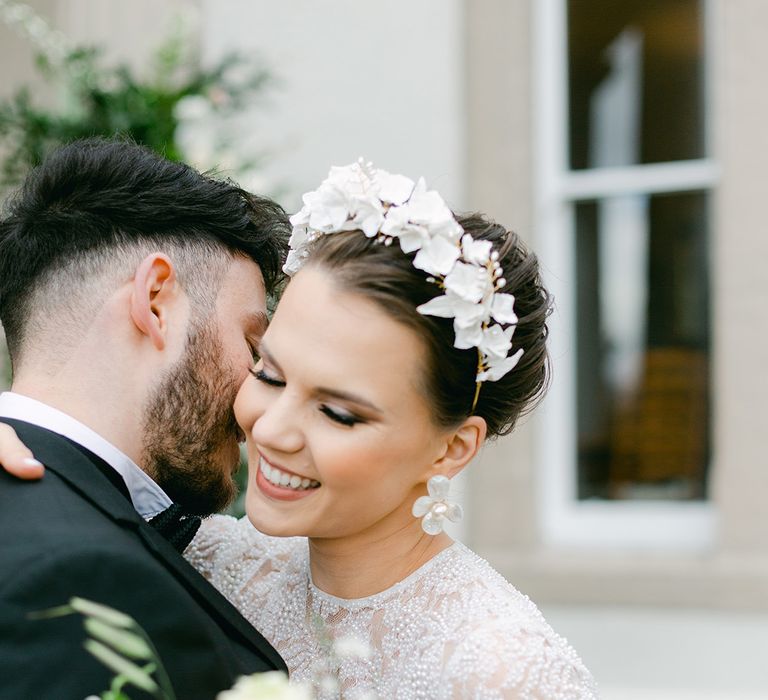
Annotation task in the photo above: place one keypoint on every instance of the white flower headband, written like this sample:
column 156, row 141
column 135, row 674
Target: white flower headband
column 387, row 207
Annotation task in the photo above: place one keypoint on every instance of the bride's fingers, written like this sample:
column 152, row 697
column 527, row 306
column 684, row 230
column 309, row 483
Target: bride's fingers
column 16, row 458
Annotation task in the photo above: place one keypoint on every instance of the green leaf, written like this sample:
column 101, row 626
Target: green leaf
column 134, row 674
column 60, row 611
column 124, row 641
column 102, row 612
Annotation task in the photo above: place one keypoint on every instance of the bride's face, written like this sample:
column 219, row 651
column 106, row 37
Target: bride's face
column 340, row 439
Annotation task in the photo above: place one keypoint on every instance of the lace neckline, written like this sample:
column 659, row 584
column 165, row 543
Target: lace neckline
column 378, row 598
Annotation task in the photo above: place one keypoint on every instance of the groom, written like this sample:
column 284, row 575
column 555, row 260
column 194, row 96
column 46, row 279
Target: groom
column 132, row 293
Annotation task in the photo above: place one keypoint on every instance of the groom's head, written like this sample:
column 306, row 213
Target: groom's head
column 129, row 280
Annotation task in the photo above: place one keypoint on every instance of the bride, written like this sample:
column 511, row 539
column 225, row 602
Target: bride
column 407, row 337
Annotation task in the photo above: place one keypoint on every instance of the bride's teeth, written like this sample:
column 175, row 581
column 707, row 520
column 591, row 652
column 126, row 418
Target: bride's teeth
column 280, row 478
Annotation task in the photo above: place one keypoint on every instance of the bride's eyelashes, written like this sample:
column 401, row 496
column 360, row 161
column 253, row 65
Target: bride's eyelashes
column 337, row 416
column 262, row 376
column 341, row 417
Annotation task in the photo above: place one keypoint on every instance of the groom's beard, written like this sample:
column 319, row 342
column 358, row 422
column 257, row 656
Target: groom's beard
column 190, row 432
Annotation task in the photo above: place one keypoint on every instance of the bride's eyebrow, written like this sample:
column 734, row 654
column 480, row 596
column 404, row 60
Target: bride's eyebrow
column 347, row 396
column 322, row 391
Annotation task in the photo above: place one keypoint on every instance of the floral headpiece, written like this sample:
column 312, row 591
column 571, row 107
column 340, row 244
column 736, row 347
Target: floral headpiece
column 388, row 207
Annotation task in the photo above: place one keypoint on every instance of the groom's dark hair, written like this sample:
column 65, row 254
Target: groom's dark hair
column 94, row 208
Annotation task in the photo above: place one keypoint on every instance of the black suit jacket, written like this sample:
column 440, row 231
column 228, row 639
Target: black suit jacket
column 75, row 534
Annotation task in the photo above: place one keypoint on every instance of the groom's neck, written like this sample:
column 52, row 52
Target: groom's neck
column 92, row 392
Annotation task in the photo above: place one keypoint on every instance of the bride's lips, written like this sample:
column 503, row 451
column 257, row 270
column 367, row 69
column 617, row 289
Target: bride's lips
column 269, row 476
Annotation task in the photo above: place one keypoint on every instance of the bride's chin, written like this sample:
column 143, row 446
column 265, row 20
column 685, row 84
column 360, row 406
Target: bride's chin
column 257, row 510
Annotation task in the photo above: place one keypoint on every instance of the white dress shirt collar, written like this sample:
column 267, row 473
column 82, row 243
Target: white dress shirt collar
column 147, row 497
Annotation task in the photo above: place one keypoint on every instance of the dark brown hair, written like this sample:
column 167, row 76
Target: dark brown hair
column 94, row 202
column 385, row 275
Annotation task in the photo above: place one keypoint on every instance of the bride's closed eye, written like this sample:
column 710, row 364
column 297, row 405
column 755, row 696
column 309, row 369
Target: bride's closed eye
column 336, row 415
column 341, row 417
column 262, row 376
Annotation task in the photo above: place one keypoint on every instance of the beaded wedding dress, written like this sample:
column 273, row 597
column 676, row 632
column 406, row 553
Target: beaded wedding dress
column 453, row 629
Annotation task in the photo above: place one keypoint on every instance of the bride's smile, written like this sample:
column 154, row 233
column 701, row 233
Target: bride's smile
column 279, row 483
column 340, row 436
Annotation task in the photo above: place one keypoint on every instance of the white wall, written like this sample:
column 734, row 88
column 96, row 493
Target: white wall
column 381, row 80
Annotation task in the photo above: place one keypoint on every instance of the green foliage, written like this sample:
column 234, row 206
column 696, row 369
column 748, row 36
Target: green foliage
column 97, row 99
column 121, row 644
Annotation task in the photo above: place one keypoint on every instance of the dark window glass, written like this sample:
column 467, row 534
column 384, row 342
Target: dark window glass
column 643, row 347
column 636, row 87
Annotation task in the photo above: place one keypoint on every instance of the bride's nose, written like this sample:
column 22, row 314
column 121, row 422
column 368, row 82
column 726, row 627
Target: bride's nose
column 278, row 426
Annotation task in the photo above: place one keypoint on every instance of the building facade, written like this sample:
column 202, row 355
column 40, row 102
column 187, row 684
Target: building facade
column 625, row 142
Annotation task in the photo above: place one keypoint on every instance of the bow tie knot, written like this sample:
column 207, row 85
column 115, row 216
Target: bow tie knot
column 176, row 526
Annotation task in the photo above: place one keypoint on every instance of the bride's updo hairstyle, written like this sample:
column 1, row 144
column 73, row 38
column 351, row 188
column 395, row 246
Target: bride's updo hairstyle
column 386, row 276
column 456, row 280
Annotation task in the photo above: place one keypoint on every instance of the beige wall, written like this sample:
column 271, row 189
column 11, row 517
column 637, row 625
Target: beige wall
column 504, row 518
column 740, row 253
column 501, row 511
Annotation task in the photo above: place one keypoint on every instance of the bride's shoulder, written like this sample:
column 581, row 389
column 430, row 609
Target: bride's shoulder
column 505, row 644
column 226, row 542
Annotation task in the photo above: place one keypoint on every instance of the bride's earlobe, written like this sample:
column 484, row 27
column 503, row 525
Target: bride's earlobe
column 435, row 508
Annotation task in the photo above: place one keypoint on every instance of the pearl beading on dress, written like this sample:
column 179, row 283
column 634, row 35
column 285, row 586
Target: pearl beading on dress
column 455, row 628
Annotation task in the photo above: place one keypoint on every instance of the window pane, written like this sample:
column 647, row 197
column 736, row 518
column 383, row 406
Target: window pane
column 636, row 81
column 643, row 347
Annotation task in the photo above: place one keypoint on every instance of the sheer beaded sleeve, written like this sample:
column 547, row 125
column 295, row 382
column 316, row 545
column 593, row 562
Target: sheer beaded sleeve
column 233, row 555
column 500, row 661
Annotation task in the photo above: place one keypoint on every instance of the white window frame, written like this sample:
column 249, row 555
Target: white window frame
column 564, row 520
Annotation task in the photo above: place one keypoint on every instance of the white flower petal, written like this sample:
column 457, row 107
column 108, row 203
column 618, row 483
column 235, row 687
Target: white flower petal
column 496, row 342
column 468, row 314
column 350, row 646
column 394, row 188
column 503, row 308
column 446, row 227
column 442, row 306
column 454, row 513
column 428, row 207
column 421, row 506
column 467, row 281
column 298, row 236
column 432, row 524
column 368, row 216
column 437, row 257
column 412, row 238
column 438, row 487
column 395, row 219
column 467, row 337
column 301, row 217
column 498, row 368
column 293, row 262
column 478, row 252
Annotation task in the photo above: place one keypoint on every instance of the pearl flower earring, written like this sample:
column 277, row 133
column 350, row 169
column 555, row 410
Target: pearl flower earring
column 436, row 508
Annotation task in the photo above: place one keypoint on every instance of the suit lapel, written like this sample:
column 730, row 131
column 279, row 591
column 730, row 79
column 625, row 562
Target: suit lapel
column 78, row 471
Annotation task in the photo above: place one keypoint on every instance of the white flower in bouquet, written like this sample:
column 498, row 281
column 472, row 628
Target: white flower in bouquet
column 272, row 685
column 352, row 647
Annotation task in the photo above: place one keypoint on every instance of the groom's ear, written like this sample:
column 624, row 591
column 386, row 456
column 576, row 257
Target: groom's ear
column 461, row 446
column 154, row 287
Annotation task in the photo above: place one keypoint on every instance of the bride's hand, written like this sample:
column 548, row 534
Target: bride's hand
column 15, row 457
